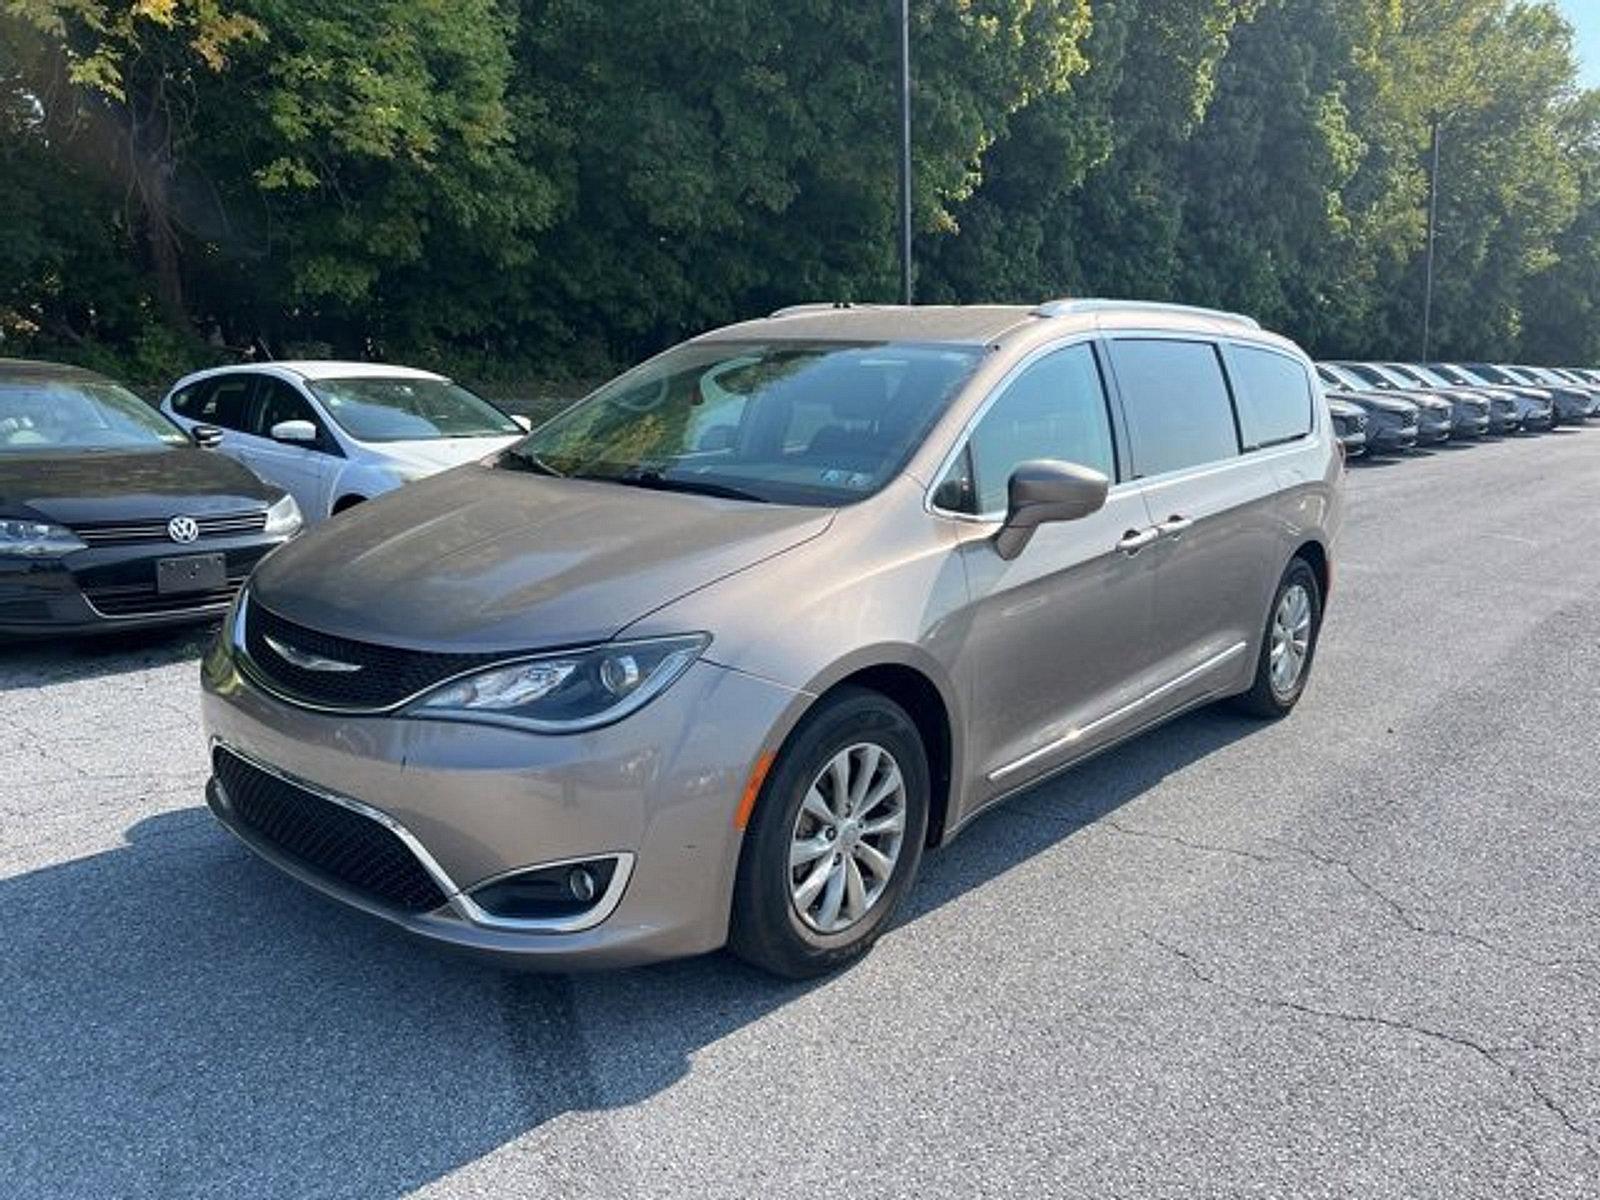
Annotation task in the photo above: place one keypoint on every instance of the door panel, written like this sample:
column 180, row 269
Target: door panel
column 304, row 471
column 1058, row 635
column 1215, row 506
column 1059, row 642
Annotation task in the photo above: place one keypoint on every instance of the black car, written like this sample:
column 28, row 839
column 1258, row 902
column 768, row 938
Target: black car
column 1436, row 415
column 1392, row 423
column 1349, row 426
column 111, row 517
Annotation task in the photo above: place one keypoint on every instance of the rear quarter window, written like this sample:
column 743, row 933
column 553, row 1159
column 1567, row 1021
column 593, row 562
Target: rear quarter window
column 1274, row 396
column 1176, row 403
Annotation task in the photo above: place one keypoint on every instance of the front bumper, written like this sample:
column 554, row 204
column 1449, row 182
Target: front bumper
column 658, row 789
column 1470, row 424
column 113, row 588
column 1434, row 427
column 1391, row 438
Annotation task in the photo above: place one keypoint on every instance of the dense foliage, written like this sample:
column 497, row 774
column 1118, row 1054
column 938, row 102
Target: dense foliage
column 550, row 187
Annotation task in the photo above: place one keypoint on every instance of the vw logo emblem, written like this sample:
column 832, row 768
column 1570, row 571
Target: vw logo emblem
column 183, row 530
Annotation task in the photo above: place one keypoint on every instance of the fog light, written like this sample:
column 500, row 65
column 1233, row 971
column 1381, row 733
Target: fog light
column 544, row 893
column 581, row 883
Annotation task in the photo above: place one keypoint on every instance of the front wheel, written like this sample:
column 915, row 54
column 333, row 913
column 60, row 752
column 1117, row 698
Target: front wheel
column 835, row 839
column 1290, row 643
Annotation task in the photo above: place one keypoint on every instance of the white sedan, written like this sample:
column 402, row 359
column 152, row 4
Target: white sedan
column 336, row 433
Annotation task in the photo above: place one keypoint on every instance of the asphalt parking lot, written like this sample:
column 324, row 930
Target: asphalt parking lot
column 1352, row 954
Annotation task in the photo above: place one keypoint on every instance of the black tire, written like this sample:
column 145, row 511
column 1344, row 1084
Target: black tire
column 1263, row 699
column 767, row 929
column 346, row 503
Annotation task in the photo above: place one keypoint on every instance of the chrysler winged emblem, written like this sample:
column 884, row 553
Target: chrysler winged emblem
column 309, row 662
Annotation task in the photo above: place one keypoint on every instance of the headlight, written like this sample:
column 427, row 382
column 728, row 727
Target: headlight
column 407, row 473
column 283, row 518
column 568, row 692
column 36, row 539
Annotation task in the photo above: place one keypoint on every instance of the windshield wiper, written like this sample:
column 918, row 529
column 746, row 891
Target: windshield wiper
column 656, row 481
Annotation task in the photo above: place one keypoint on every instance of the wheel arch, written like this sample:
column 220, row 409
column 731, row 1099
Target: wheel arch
column 1316, row 557
column 924, row 691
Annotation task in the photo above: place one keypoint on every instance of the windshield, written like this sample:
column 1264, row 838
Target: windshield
column 795, row 423
column 39, row 415
column 1408, row 376
column 1341, row 376
column 1373, row 376
column 1429, row 376
column 402, row 409
column 1495, row 374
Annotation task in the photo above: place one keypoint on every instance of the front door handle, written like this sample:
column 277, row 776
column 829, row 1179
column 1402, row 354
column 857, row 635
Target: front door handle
column 1136, row 540
column 1174, row 526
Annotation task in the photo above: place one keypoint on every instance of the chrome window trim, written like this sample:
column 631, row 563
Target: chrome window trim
column 458, row 899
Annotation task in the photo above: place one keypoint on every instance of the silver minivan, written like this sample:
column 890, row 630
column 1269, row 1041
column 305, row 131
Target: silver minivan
column 714, row 655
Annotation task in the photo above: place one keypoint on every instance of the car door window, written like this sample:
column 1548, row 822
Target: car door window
column 1274, row 396
column 1176, row 403
column 222, row 401
column 276, row 401
column 1055, row 409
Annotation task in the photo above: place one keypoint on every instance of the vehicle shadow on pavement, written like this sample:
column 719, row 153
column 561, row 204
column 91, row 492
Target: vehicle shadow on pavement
column 39, row 662
column 182, row 1019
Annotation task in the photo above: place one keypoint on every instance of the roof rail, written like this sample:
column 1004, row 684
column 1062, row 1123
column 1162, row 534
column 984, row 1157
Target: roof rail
column 795, row 310
column 1067, row 308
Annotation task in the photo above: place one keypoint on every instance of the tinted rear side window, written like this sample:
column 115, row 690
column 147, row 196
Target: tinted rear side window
column 1176, row 402
column 1274, row 395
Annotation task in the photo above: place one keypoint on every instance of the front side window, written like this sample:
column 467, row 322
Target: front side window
column 40, row 415
column 1176, row 403
column 1274, row 395
column 276, row 402
column 407, row 409
column 1055, row 409
column 820, row 423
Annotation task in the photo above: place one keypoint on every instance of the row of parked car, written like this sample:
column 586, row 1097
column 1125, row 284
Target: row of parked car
column 1386, row 408
column 293, row 443
column 115, row 514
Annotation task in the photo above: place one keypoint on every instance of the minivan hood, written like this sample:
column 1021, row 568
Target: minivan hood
column 145, row 485
column 484, row 559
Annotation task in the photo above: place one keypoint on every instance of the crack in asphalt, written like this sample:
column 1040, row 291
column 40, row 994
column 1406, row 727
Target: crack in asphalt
column 1587, row 968
column 1487, row 1053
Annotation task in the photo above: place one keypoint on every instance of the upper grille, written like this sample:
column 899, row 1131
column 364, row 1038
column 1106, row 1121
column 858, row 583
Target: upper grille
column 123, row 533
column 386, row 675
column 351, row 849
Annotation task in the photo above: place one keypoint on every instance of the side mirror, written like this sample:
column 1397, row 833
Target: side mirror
column 294, row 431
column 1045, row 490
column 523, row 424
column 207, row 437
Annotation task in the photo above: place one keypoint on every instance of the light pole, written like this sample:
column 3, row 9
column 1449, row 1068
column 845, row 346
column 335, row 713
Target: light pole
column 1433, row 233
column 905, row 151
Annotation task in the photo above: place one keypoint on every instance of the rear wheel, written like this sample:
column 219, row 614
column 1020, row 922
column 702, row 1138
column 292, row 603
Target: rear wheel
column 835, row 840
column 1289, row 645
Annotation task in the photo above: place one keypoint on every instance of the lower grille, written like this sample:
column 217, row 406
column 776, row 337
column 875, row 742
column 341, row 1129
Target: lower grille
column 143, row 600
column 352, row 850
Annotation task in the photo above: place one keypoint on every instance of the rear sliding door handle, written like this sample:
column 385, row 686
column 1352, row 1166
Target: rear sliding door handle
column 1174, row 526
column 1136, row 540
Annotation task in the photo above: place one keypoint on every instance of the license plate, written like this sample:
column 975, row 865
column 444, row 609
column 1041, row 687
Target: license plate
column 192, row 573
